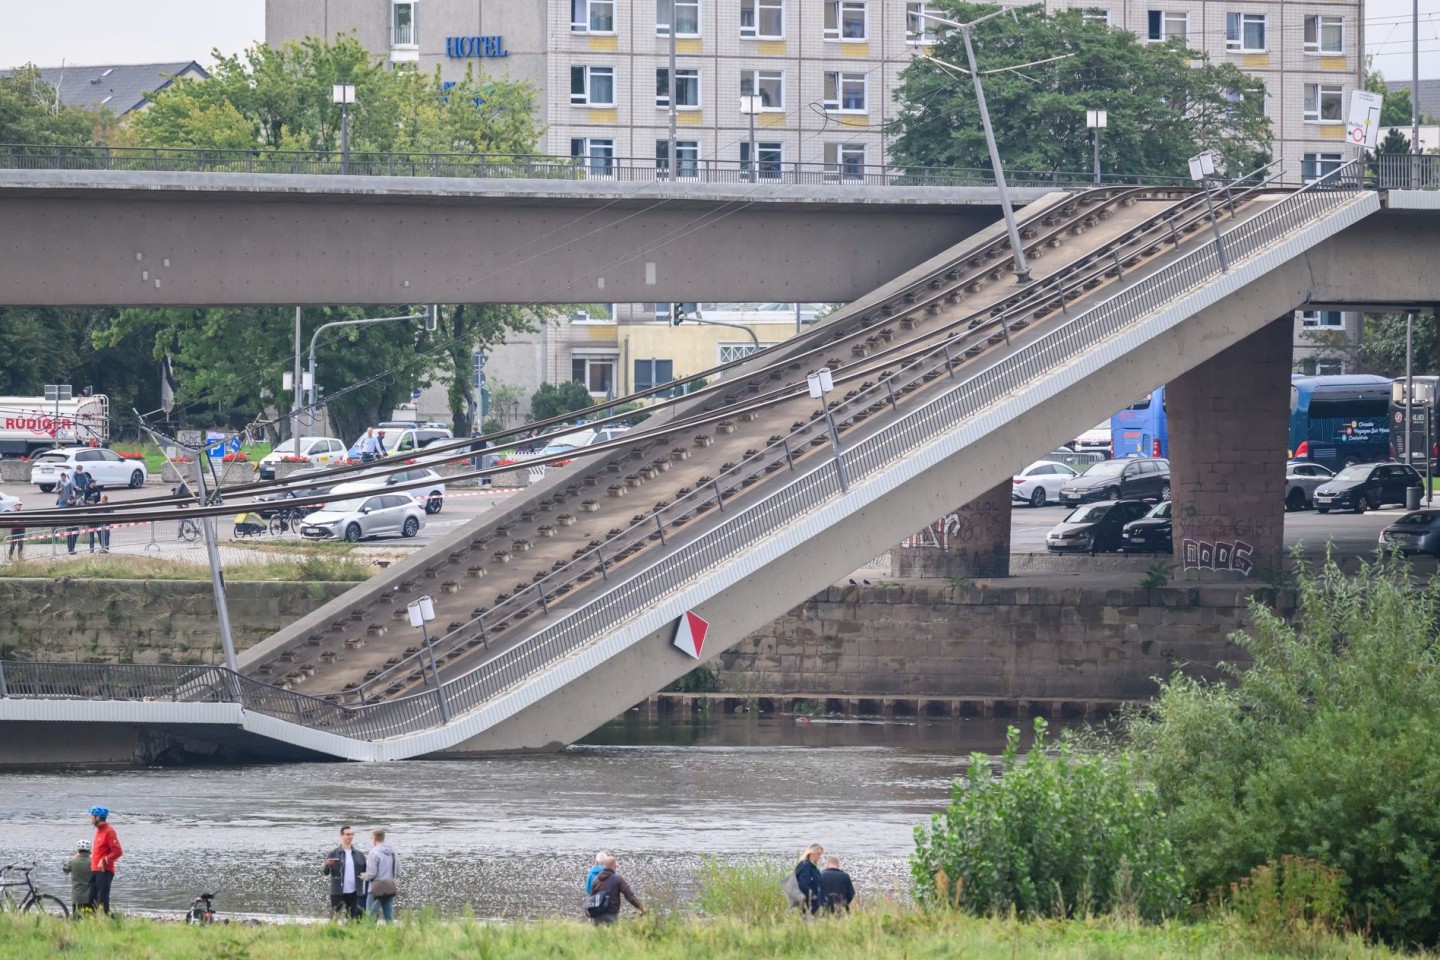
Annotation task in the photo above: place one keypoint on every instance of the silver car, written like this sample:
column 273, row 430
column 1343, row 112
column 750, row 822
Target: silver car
column 1301, row 479
column 383, row 515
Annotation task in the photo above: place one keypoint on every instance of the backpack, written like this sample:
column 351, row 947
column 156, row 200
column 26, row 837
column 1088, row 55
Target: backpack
column 598, row 904
column 790, row 886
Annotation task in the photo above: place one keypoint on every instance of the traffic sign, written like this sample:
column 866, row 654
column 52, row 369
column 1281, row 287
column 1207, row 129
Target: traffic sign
column 690, row 633
column 1362, row 126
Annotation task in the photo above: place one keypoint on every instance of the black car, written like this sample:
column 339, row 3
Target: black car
column 1151, row 532
column 1095, row 528
column 1362, row 485
column 1135, row 478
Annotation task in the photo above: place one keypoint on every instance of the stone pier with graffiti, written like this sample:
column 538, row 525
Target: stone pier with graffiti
column 973, row 540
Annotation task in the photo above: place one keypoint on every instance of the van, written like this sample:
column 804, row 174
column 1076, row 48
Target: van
column 405, row 442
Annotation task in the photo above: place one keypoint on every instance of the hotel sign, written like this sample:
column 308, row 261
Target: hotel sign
column 464, row 47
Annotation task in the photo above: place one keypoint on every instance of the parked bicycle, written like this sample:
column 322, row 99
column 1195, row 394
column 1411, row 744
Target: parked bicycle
column 189, row 529
column 202, row 910
column 12, row 898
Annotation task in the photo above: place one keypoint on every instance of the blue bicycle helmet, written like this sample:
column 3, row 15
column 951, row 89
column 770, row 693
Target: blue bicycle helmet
column 102, row 812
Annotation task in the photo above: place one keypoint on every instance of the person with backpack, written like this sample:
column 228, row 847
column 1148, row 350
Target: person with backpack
column 603, row 904
column 381, row 869
column 599, row 865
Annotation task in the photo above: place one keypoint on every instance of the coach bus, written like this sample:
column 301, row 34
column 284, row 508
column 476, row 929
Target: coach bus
column 1140, row 429
column 1339, row 420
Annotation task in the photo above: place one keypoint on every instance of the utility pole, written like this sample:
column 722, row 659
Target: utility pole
column 674, row 160
column 1415, row 95
column 298, row 400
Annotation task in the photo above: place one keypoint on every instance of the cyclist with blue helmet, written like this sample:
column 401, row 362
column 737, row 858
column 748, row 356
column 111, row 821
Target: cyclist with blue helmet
column 105, row 852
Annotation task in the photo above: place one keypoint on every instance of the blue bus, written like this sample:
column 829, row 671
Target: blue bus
column 1140, row 430
column 1340, row 420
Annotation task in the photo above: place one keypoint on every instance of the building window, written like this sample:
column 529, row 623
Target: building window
column 844, row 19
column 592, row 16
column 1245, row 32
column 730, row 352
column 594, row 313
column 652, row 373
column 1332, row 319
column 1313, row 166
column 687, row 154
column 844, row 161
column 1096, row 15
column 592, row 86
column 597, row 373
column 687, row 88
column 1324, row 34
column 598, row 156
column 686, row 14
column 1166, row 24
column 769, row 158
column 1329, row 368
column 845, row 91
column 1322, row 102
column 762, row 19
column 768, row 85
column 918, row 27
column 403, row 31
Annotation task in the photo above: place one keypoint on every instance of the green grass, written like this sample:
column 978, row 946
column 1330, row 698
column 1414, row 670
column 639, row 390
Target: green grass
column 306, row 566
column 886, row 933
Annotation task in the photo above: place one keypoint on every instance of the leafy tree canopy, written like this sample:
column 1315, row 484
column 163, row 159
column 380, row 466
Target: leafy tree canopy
column 553, row 400
column 31, row 112
column 1166, row 103
column 1395, row 112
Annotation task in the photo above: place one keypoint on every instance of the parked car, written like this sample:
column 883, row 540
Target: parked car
column 1151, row 533
column 1095, row 528
column 358, row 518
column 1301, row 479
column 1415, row 532
column 313, row 449
column 1363, row 485
column 1097, row 438
column 105, row 467
column 1132, row 478
column 557, row 444
column 1040, row 483
column 433, row 494
column 406, row 441
column 9, row 504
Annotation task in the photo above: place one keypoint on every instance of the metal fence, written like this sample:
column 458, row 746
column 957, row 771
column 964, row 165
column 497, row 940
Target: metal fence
column 808, row 491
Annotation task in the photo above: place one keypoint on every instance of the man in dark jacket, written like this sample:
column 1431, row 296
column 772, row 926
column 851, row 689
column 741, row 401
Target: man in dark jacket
column 609, row 882
column 343, row 866
column 836, row 890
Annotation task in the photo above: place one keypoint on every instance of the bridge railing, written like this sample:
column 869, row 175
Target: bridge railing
column 115, row 681
column 1402, row 171
column 532, row 167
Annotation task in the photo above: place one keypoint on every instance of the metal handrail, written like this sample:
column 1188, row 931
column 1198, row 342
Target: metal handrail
column 583, row 626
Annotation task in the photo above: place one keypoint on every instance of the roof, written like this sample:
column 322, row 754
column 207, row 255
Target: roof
column 120, row 87
column 1429, row 94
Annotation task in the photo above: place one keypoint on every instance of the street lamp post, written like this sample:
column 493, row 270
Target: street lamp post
column 422, row 611
column 674, row 160
column 821, row 382
column 1201, row 167
column 313, row 385
column 751, row 105
column 344, row 94
column 1096, row 120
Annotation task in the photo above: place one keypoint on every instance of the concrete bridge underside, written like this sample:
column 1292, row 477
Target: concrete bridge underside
column 185, row 239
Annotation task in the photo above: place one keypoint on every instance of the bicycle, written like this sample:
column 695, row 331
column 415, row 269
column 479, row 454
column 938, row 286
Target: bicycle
column 202, row 910
column 33, row 899
column 189, row 529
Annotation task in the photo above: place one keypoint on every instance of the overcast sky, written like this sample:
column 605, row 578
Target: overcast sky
column 84, row 32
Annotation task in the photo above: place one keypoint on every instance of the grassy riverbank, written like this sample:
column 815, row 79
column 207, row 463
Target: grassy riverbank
column 888, row 933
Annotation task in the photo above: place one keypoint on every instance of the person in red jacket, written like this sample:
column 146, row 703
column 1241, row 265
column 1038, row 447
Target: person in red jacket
column 105, row 852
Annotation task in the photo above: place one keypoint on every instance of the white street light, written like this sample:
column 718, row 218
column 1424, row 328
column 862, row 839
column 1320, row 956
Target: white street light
column 344, row 94
column 1202, row 167
column 422, row 611
column 751, row 105
column 821, row 382
column 1097, row 120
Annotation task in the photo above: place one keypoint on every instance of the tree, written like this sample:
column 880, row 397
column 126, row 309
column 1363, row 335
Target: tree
column 1162, row 110
column 465, row 329
column 1381, row 347
column 555, row 401
column 1395, row 111
column 31, row 112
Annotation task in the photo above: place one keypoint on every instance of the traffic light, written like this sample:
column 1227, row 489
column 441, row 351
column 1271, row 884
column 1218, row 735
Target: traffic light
column 677, row 314
column 432, row 317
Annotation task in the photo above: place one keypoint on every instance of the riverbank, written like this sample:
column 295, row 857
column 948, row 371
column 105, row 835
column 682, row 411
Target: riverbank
column 879, row 935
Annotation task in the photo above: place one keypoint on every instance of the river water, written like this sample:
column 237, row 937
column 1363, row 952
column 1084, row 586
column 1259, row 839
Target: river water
column 513, row 837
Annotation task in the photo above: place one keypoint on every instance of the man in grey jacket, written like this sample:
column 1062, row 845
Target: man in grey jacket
column 382, row 868
column 345, row 866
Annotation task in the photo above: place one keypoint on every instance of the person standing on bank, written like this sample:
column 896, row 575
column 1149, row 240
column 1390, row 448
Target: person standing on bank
column 610, row 884
column 105, row 853
column 344, row 866
column 78, row 867
column 807, row 875
column 600, row 859
column 16, row 550
column 836, row 888
column 381, row 869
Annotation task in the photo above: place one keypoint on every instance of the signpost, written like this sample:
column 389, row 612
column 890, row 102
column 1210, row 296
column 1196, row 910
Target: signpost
column 1362, row 125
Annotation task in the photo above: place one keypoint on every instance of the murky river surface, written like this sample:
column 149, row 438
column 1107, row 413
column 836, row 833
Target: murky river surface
column 512, row 837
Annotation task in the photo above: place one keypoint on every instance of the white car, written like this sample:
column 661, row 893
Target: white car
column 313, row 449
column 1096, row 438
column 9, row 504
column 566, row 442
column 106, row 468
column 432, row 494
column 355, row 519
column 1040, row 483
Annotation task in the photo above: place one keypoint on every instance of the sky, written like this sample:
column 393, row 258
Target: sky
column 84, row 32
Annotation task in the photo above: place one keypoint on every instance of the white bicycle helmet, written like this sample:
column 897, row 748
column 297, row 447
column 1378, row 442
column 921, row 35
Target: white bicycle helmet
column 83, row 846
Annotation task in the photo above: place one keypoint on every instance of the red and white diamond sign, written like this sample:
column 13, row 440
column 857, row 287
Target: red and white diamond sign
column 690, row 634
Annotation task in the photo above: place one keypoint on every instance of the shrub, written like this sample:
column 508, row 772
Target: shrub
column 749, row 891
column 1324, row 747
column 1294, row 900
column 1055, row 834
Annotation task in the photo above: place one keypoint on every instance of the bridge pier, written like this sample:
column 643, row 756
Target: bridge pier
column 1227, row 456
column 971, row 541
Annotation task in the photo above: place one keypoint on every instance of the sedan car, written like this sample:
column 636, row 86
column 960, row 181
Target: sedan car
column 433, row 493
column 1131, row 478
column 1150, row 533
column 106, row 468
column 1040, row 483
column 1301, row 479
column 1095, row 528
column 1363, row 485
column 355, row 519
column 313, row 449
column 1416, row 532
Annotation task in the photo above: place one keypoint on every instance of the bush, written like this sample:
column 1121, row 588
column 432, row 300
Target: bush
column 1325, row 747
column 748, row 891
column 1293, row 901
column 553, row 400
column 1056, row 834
